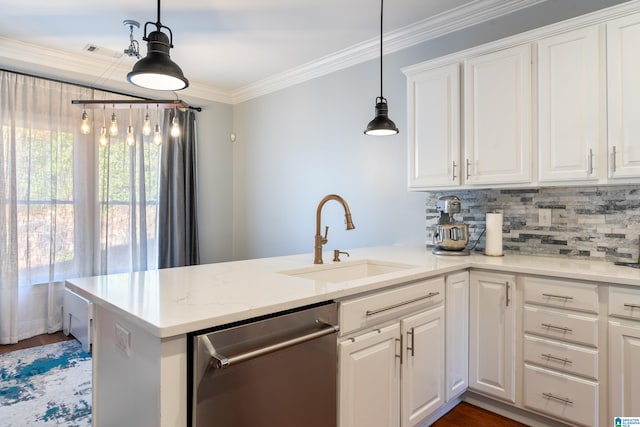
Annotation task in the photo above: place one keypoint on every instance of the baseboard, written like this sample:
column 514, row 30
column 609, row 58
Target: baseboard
column 440, row 412
column 509, row 411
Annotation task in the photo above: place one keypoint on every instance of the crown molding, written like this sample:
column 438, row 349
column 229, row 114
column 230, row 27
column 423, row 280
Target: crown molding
column 428, row 29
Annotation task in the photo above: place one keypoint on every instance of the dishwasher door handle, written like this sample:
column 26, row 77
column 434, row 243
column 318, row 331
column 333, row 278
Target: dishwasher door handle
column 223, row 362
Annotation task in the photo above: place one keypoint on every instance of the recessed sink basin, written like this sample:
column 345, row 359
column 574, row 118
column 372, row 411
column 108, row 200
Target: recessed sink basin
column 345, row 271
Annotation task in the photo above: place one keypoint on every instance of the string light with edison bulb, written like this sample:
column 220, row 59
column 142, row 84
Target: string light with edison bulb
column 108, row 132
column 103, row 140
column 131, row 138
column 85, row 127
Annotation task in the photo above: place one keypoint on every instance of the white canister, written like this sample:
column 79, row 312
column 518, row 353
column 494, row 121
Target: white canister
column 494, row 234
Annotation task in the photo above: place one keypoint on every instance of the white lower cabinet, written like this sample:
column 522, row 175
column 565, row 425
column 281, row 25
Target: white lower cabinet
column 624, row 369
column 624, row 352
column 392, row 374
column 562, row 396
column 422, row 365
column 492, row 338
column 457, row 334
column 370, row 378
column 560, row 351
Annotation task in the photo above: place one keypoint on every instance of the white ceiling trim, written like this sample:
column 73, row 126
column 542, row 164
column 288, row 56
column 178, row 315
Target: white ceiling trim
column 105, row 73
column 428, row 29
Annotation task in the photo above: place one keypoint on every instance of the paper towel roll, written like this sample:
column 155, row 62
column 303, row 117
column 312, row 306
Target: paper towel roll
column 494, row 234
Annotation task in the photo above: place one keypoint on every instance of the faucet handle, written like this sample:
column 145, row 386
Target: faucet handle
column 326, row 233
column 336, row 254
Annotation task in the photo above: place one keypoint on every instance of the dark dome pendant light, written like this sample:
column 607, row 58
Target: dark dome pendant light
column 381, row 125
column 157, row 70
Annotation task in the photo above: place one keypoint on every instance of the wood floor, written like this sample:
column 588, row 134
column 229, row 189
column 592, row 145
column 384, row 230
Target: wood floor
column 466, row 415
column 463, row 415
column 35, row 341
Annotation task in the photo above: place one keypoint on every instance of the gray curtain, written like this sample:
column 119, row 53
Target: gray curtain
column 177, row 216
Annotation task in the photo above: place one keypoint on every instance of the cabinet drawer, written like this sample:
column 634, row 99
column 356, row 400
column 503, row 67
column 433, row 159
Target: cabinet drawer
column 566, row 358
column 561, row 293
column 379, row 307
column 577, row 328
column 569, row 398
column 624, row 302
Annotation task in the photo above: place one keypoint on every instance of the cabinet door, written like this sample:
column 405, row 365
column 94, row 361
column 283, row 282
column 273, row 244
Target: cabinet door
column 492, row 335
column 457, row 335
column 434, row 127
column 570, row 106
column 423, row 365
column 624, row 369
column 497, row 116
column 369, row 379
column 623, row 85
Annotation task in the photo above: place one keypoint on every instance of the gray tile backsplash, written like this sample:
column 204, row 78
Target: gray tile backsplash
column 586, row 222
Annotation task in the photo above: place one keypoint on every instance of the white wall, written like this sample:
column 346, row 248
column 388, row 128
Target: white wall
column 301, row 143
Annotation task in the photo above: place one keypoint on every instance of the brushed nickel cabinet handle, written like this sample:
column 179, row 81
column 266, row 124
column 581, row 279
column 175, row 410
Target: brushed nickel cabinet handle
column 613, row 159
column 590, row 162
column 632, row 305
column 411, row 347
column 508, row 287
column 565, row 297
column 468, row 166
column 453, row 170
column 560, row 328
column 391, row 307
column 564, row 400
column 556, row 359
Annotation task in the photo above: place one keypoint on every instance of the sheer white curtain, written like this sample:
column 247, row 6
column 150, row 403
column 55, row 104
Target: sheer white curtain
column 68, row 207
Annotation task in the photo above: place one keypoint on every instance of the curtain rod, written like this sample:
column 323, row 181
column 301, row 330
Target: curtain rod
column 138, row 99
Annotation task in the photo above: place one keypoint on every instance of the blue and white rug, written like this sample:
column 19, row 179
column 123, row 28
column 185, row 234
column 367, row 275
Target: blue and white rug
column 46, row 386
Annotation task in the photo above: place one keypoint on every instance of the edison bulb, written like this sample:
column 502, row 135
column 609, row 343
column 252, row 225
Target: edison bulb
column 85, row 127
column 175, row 129
column 113, row 129
column 131, row 139
column 146, row 127
column 103, row 136
column 157, row 137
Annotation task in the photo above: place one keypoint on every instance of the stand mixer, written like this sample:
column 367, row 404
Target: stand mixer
column 449, row 237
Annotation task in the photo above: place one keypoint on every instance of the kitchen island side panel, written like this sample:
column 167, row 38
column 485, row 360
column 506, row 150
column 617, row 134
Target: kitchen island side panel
column 138, row 379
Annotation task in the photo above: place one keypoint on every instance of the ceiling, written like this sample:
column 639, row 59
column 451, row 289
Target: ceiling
column 227, row 47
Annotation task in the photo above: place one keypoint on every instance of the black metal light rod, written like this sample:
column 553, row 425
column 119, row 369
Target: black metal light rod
column 133, row 103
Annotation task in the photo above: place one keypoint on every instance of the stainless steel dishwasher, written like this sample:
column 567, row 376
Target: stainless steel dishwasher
column 275, row 371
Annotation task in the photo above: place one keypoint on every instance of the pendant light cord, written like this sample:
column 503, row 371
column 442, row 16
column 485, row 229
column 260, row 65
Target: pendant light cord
column 159, row 23
column 381, row 15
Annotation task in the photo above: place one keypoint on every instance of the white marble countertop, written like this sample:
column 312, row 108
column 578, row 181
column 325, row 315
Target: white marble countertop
column 176, row 301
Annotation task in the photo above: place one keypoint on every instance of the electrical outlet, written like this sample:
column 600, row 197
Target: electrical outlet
column 123, row 339
column 544, row 217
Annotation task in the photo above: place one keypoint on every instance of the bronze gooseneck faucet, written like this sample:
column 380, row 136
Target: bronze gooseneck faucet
column 321, row 240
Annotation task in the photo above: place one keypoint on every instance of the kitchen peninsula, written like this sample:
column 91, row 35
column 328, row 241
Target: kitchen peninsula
column 141, row 320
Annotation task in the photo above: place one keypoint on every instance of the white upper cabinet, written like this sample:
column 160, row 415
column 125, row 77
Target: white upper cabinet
column 497, row 117
column 434, row 127
column 570, row 107
column 623, row 86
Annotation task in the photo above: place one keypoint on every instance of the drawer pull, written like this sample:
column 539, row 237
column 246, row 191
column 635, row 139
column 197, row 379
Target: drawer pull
column 560, row 328
column 391, row 307
column 564, row 297
column 564, row 400
column 557, row 359
column 632, row 305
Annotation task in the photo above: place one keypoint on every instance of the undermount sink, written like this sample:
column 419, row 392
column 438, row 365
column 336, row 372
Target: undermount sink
column 345, row 271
